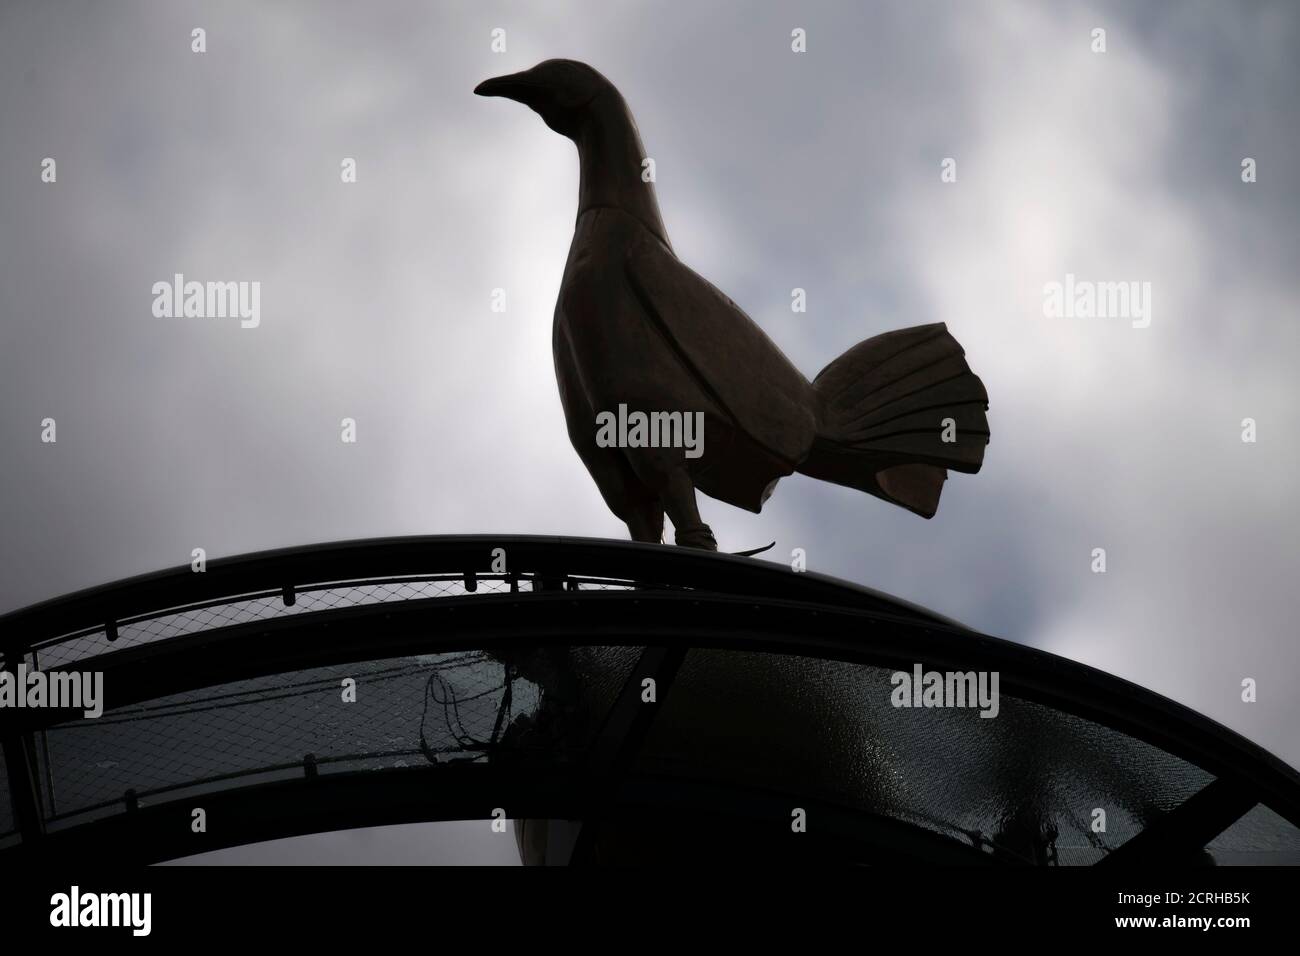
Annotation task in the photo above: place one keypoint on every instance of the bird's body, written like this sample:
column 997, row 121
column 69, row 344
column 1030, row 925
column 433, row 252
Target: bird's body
column 635, row 327
column 605, row 310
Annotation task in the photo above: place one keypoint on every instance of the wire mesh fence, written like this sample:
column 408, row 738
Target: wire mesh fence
column 375, row 715
column 269, row 605
column 395, row 713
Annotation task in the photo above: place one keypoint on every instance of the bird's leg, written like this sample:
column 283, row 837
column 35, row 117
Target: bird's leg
column 645, row 522
column 679, row 501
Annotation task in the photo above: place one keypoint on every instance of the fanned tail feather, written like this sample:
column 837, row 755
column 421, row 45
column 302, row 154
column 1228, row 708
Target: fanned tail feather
column 886, row 407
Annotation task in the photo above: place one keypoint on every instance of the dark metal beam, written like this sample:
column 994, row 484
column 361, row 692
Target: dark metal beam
column 444, row 624
column 1184, row 831
column 333, row 802
column 19, row 749
column 24, row 794
column 620, row 739
column 629, row 719
column 390, row 557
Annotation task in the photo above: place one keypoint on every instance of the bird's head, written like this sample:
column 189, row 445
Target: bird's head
column 559, row 91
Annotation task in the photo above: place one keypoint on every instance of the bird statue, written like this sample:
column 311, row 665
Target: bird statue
column 636, row 329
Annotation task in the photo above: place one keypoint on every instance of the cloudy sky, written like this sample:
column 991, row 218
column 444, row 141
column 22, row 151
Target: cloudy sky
column 775, row 170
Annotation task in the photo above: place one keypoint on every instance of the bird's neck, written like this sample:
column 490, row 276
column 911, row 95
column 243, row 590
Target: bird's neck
column 611, row 157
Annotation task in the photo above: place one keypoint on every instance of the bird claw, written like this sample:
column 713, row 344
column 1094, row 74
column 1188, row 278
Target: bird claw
column 697, row 536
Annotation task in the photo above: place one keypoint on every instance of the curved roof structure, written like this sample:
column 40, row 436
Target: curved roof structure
column 630, row 702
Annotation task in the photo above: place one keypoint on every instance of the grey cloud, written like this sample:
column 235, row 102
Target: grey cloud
column 775, row 170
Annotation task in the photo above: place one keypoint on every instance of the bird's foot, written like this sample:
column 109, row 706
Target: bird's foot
column 696, row 536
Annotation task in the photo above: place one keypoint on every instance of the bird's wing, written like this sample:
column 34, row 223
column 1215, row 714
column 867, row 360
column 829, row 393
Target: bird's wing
column 730, row 356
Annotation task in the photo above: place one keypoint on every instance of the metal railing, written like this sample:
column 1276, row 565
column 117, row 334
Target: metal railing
column 231, row 632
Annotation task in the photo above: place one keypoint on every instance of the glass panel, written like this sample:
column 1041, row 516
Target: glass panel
column 408, row 711
column 1260, row 838
column 1026, row 782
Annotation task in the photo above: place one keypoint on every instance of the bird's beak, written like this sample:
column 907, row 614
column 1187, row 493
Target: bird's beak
column 520, row 87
